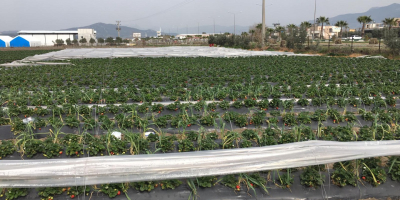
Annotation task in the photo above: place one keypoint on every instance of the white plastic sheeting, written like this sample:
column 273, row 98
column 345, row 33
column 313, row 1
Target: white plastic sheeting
column 153, row 52
column 117, row 169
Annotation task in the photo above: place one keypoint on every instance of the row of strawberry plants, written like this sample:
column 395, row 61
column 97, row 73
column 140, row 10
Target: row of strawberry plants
column 82, row 117
column 177, row 72
column 347, row 173
column 42, row 96
column 57, row 143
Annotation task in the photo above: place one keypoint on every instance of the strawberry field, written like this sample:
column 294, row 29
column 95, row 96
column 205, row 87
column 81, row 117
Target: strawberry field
column 172, row 105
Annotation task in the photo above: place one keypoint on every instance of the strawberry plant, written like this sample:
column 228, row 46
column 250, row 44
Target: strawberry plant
column 206, row 182
column 231, row 181
column 249, row 134
column 237, row 104
column 185, row 145
column 94, row 147
column 394, row 168
column 72, row 121
column 246, row 144
column 207, row 144
column 49, row 192
column 250, row 103
column 165, row 145
column 77, row 190
column 152, row 137
column 304, row 118
column 6, row 148
column 224, row 105
column 158, row 108
column 170, row 184
column 212, row 136
column 112, row 190
column 286, row 137
column 289, row 119
column 51, row 149
column 144, row 186
column 372, row 172
column 311, row 177
column 14, row 193
column 114, row 145
column 73, row 149
column 343, row 174
column 303, row 102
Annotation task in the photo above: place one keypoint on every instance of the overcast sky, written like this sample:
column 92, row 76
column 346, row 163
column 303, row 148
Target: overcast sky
column 152, row 14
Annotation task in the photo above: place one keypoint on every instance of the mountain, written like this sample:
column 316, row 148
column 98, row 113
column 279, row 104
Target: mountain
column 9, row 33
column 377, row 14
column 109, row 30
column 207, row 29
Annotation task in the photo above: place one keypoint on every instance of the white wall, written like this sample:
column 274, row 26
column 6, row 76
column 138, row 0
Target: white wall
column 86, row 33
column 48, row 39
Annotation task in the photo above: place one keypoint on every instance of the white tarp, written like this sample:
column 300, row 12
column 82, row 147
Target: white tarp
column 153, row 52
column 118, row 169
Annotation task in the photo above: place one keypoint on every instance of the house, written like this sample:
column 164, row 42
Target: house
column 328, row 31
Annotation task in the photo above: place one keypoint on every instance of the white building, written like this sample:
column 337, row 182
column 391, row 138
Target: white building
column 137, row 36
column 192, row 36
column 48, row 38
column 86, row 33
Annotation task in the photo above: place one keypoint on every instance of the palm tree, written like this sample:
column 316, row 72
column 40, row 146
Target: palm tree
column 245, row 34
column 279, row 29
column 306, row 25
column 364, row 20
column 321, row 20
column 291, row 27
column 270, row 31
column 252, row 31
column 341, row 24
column 390, row 22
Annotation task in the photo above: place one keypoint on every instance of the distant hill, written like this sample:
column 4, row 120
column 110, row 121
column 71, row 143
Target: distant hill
column 377, row 14
column 9, row 33
column 109, row 30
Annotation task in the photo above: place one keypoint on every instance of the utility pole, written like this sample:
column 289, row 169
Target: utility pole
column 234, row 22
column 315, row 12
column 263, row 24
column 118, row 28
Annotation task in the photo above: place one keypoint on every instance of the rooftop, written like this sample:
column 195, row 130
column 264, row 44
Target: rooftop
column 54, row 32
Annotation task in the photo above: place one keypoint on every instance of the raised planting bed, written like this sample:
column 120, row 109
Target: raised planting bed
column 197, row 104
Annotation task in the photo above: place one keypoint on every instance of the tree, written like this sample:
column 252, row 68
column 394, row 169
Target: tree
column 291, row 27
column 100, row 40
column 125, row 41
column 305, row 25
column 118, row 40
column 390, row 22
column 279, row 29
column 364, row 20
column 92, row 41
column 321, row 20
column 341, row 24
column 83, row 41
column 244, row 34
column 75, row 41
column 68, row 41
column 270, row 31
column 252, row 31
column 392, row 40
column 59, row 42
column 110, row 40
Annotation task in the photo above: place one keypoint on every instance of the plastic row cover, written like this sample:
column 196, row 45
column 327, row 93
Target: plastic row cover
column 117, row 169
column 153, row 52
